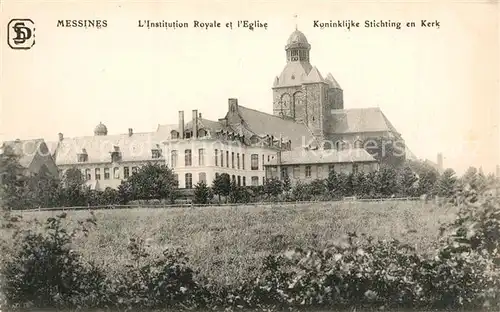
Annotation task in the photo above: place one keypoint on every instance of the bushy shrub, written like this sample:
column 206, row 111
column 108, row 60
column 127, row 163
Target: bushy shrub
column 355, row 271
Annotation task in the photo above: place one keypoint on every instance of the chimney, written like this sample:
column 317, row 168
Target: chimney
column 195, row 123
column 181, row 125
column 232, row 104
column 440, row 161
column 130, row 131
column 61, row 136
column 199, row 116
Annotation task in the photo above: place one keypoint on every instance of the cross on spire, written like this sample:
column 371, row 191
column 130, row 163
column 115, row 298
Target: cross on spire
column 296, row 26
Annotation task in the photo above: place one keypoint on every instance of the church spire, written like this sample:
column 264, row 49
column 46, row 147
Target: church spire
column 296, row 24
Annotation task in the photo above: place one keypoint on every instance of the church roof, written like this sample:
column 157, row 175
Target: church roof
column 332, row 82
column 135, row 147
column 27, row 150
column 303, row 156
column 294, row 73
column 263, row 124
column 357, row 120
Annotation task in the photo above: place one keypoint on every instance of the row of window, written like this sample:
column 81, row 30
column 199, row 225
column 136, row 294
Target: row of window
column 308, row 170
column 117, row 174
column 202, row 177
column 116, row 155
column 218, row 155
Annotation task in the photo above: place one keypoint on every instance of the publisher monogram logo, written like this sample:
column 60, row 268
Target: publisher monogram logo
column 21, row 34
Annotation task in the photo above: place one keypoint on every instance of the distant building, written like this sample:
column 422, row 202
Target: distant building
column 106, row 160
column 307, row 165
column 309, row 128
column 34, row 155
column 301, row 94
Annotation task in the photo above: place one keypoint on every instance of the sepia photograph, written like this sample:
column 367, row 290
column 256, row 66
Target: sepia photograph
column 295, row 155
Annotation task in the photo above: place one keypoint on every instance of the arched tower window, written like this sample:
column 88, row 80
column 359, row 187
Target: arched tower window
column 285, row 104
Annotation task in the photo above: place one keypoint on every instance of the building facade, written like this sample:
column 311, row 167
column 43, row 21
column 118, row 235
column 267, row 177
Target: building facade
column 308, row 118
column 34, row 156
column 307, row 165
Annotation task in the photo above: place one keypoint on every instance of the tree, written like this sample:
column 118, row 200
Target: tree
column 13, row 180
column 317, row 187
column 221, row 185
column 202, row 193
column 152, row 181
column 44, row 189
column 427, row 177
column 406, row 180
column 287, row 184
column 73, row 191
column 273, row 187
column 387, row 181
column 447, row 183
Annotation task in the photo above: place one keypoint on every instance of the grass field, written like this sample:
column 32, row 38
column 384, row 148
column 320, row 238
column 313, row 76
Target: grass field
column 224, row 243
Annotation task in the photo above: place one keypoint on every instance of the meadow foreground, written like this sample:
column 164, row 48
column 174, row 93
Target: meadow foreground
column 227, row 243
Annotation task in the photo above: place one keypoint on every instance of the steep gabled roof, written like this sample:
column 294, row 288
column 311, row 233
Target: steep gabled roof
column 360, row 120
column 331, row 156
column 203, row 123
column 136, row 147
column 314, row 76
column 27, row 150
column 263, row 124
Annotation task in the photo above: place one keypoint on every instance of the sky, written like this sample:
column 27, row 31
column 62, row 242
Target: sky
column 437, row 86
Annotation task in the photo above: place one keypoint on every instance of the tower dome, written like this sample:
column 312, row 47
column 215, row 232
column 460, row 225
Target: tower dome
column 297, row 48
column 297, row 40
column 100, row 129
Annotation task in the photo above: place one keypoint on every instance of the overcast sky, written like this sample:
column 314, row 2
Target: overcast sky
column 439, row 87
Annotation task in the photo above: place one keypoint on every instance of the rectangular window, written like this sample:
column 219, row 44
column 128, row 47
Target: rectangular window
column 354, row 168
column 331, row 168
column 201, row 157
column 106, row 173
column 239, row 180
column 296, row 172
column 244, row 181
column 243, row 161
column 254, row 162
column 176, row 179
column 202, row 177
column 156, row 153
column 126, row 172
column 216, row 155
column 255, row 181
column 320, row 171
column 187, row 158
column 97, row 173
column 227, row 159
column 173, row 160
column 238, row 161
column 284, row 172
column 221, row 158
column 308, row 171
column 232, row 160
column 134, row 170
column 116, row 173
column 88, row 176
column 189, row 180
column 262, row 161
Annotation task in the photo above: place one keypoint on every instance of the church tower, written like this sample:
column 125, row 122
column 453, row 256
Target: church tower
column 301, row 93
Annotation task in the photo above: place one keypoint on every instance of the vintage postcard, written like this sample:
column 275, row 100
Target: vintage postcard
column 249, row 156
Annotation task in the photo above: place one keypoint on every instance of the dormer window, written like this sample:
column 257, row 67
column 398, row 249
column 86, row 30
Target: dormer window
column 83, row 156
column 116, row 154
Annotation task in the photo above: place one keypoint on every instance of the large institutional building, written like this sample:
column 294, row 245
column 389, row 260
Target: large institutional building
column 308, row 134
